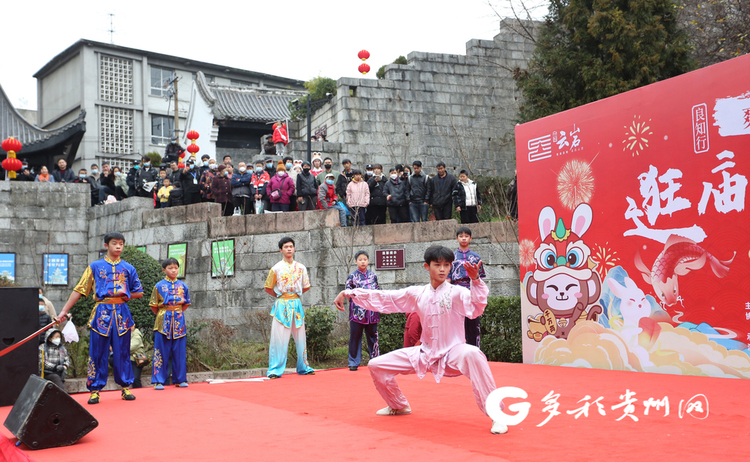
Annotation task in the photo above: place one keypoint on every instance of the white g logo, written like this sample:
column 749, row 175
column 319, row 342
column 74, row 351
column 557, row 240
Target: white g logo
column 494, row 406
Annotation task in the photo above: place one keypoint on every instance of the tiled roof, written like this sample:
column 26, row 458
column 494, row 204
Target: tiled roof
column 13, row 124
column 247, row 104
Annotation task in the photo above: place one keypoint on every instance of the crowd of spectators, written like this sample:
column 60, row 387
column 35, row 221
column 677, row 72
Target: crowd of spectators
column 362, row 196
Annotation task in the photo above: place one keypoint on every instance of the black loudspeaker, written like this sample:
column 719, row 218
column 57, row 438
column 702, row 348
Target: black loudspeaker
column 19, row 311
column 44, row 416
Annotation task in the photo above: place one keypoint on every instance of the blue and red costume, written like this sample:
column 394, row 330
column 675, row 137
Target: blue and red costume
column 113, row 283
column 169, row 299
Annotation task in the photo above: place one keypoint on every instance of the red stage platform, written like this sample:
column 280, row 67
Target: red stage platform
column 331, row 416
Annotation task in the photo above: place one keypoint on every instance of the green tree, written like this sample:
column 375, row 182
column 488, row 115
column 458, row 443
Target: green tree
column 591, row 49
column 381, row 72
column 317, row 89
column 155, row 158
column 149, row 272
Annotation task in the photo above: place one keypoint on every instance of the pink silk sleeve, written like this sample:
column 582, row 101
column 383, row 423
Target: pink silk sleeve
column 385, row 301
column 475, row 300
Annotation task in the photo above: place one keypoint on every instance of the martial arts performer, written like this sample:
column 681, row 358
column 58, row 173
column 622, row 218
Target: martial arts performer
column 169, row 299
column 442, row 308
column 113, row 282
column 287, row 281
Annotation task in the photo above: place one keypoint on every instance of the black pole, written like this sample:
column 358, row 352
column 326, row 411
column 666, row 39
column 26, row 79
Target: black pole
column 309, row 128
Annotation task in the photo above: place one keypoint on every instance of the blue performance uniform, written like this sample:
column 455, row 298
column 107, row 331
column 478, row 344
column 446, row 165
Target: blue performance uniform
column 112, row 282
column 169, row 299
column 459, row 277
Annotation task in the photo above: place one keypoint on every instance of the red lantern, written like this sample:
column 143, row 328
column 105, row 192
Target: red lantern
column 192, row 135
column 180, row 165
column 11, row 144
column 193, row 148
column 364, row 68
column 363, row 55
column 11, row 164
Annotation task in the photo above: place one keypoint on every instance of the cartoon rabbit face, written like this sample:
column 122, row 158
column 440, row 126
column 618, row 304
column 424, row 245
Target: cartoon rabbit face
column 633, row 303
column 562, row 292
column 562, row 251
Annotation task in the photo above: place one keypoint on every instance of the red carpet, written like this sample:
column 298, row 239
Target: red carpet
column 331, row 416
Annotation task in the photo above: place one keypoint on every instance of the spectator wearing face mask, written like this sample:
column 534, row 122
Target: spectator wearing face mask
column 307, row 188
column 121, row 184
column 258, row 188
column 207, row 179
column 358, row 197
column 202, row 166
column 241, row 189
column 289, row 165
column 173, row 151
column 44, row 318
column 146, row 179
column 94, row 180
column 190, row 180
column 132, row 177
column 25, row 173
column 53, row 358
column 397, row 195
column 342, row 181
column 221, row 187
column 107, row 182
column 375, row 214
column 63, row 174
column 270, row 167
column 281, row 189
column 327, row 168
column 329, row 200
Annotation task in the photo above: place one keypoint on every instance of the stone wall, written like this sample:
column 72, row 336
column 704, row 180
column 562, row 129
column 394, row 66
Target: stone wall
column 50, row 218
column 460, row 109
column 44, row 218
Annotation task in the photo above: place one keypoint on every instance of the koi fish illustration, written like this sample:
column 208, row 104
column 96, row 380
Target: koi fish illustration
column 680, row 256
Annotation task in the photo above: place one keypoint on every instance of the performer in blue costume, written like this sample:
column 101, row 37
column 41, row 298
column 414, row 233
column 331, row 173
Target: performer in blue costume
column 113, row 282
column 169, row 299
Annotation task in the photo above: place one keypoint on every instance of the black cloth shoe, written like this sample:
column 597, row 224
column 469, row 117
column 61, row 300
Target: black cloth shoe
column 353, row 368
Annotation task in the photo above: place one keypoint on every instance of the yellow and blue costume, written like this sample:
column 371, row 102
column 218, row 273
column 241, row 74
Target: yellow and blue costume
column 113, row 283
column 170, row 297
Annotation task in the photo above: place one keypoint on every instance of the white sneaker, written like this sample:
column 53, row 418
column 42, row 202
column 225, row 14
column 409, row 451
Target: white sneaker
column 388, row 411
column 498, row 428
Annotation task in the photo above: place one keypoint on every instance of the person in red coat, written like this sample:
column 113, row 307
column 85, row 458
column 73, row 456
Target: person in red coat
column 280, row 137
column 221, row 188
column 280, row 189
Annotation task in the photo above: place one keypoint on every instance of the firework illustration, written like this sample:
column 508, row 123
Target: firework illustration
column 526, row 249
column 575, row 183
column 605, row 259
column 635, row 136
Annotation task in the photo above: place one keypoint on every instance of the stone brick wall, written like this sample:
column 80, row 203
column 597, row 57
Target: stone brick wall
column 460, row 109
column 50, row 218
column 43, row 218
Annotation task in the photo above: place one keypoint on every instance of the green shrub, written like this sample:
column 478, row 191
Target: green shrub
column 495, row 203
column 316, row 89
column 5, row 282
column 501, row 330
column 149, row 272
column 381, row 72
column 155, row 158
column 391, row 332
column 319, row 321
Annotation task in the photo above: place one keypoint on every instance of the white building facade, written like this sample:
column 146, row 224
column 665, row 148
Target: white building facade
column 128, row 95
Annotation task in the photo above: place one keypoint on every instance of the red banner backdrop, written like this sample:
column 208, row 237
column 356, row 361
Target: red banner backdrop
column 634, row 231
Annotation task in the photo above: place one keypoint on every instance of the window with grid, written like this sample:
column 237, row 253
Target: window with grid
column 160, row 80
column 115, row 130
column 162, row 129
column 116, row 79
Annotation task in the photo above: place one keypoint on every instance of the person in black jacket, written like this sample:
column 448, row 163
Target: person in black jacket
column 173, row 151
column 375, row 214
column 63, row 174
column 343, row 180
column 307, row 188
column 190, row 180
column 441, row 193
column 132, row 177
column 147, row 174
column 467, row 199
column 396, row 191
column 419, row 206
